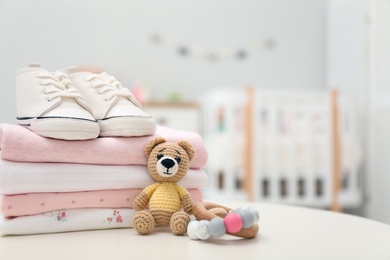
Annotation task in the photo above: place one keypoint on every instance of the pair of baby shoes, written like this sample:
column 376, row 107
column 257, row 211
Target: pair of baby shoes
column 77, row 105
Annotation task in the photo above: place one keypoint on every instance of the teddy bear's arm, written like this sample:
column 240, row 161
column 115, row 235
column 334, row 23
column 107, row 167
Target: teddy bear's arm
column 186, row 201
column 142, row 200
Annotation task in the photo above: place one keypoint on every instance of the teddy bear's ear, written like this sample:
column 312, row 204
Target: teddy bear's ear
column 188, row 148
column 149, row 147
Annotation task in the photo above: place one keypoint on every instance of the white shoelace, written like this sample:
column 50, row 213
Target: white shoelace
column 111, row 88
column 57, row 84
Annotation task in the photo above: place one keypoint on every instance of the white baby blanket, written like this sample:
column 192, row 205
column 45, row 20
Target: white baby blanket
column 67, row 220
column 17, row 178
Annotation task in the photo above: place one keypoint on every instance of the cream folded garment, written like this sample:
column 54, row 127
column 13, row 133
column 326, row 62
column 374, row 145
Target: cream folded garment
column 22, row 145
column 67, row 220
column 19, row 178
column 36, row 203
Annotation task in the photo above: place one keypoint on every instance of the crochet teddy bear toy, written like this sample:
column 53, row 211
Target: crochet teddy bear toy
column 168, row 163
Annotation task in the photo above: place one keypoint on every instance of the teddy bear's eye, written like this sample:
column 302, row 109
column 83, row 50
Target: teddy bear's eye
column 159, row 156
column 178, row 159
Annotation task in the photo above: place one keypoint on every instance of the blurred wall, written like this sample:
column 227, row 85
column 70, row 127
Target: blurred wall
column 115, row 35
column 378, row 134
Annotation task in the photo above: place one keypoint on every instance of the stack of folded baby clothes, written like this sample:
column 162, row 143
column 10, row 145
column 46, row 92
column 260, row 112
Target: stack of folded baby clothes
column 60, row 184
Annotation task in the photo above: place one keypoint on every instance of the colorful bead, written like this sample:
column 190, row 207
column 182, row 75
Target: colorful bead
column 254, row 212
column 247, row 218
column 192, row 228
column 233, row 222
column 217, row 227
column 202, row 231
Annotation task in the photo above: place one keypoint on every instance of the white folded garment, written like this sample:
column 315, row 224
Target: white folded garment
column 67, row 220
column 17, row 178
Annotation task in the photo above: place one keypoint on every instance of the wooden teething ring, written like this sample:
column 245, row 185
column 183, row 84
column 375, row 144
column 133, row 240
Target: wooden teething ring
column 208, row 211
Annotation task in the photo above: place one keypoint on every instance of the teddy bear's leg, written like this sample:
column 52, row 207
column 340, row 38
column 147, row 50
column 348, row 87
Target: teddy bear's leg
column 179, row 222
column 143, row 222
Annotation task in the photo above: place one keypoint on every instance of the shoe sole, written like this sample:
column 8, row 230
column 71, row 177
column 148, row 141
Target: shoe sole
column 66, row 128
column 127, row 126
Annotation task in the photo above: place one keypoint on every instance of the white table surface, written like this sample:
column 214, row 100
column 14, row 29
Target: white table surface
column 286, row 232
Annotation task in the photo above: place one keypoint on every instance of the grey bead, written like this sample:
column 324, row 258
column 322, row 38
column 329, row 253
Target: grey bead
column 248, row 219
column 217, row 227
column 255, row 213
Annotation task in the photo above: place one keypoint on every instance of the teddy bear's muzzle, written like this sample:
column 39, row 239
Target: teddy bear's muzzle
column 167, row 167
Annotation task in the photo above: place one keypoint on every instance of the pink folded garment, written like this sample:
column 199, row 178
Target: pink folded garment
column 36, row 203
column 21, row 145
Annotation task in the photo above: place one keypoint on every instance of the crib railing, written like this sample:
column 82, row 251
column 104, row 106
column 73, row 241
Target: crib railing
column 288, row 147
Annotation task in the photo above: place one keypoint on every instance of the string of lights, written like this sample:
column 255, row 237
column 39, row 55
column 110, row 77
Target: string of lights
column 213, row 55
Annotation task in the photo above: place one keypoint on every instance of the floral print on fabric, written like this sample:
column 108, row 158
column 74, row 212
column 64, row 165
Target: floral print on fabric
column 114, row 218
column 59, row 216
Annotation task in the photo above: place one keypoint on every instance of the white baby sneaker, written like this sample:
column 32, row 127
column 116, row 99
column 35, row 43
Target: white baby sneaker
column 49, row 105
column 113, row 106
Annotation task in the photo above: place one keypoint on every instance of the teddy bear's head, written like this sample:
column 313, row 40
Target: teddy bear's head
column 168, row 162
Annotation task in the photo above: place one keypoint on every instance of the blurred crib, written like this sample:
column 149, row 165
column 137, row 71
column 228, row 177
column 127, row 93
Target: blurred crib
column 295, row 147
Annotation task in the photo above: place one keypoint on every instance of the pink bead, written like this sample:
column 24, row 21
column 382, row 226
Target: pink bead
column 233, row 223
